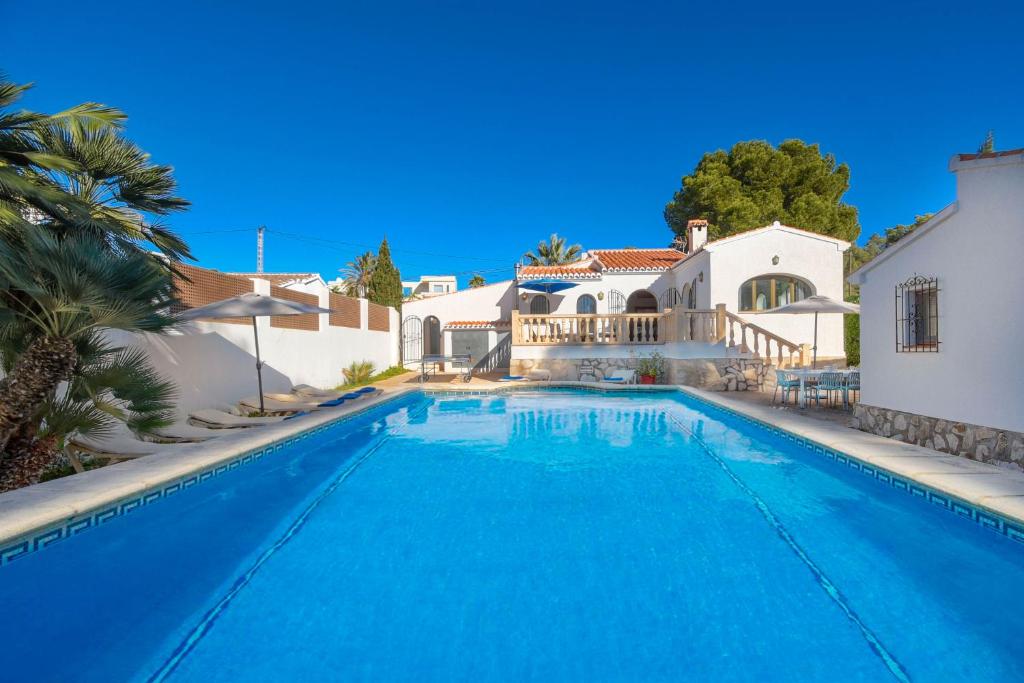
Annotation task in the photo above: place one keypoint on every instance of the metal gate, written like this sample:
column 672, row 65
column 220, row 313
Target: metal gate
column 616, row 302
column 669, row 298
column 412, row 339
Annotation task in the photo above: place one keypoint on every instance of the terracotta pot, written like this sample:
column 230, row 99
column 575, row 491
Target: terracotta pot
column 647, row 379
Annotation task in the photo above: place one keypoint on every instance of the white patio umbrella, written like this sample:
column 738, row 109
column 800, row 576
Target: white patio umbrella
column 817, row 304
column 253, row 306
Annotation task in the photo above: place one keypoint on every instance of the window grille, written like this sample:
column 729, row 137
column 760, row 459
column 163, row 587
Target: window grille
column 917, row 315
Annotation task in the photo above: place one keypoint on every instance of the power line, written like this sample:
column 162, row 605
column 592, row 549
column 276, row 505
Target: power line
column 337, row 244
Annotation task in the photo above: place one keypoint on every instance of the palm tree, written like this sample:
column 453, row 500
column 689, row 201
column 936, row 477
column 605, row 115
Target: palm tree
column 124, row 191
column 357, row 274
column 22, row 199
column 553, row 252
column 477, row 280
column 109, row 385
column 58, row 291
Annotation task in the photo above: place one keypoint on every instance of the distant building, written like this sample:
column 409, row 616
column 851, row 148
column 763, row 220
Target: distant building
column 941, row 316
column 429, row 285
column 304, row 282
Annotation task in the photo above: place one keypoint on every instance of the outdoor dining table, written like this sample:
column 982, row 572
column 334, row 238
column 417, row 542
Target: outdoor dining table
column 809, row 374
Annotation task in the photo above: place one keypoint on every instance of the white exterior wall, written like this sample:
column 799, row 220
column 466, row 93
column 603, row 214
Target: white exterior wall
column 490, row 302
column 214, row 364
column 819, row 261
column 974, row 248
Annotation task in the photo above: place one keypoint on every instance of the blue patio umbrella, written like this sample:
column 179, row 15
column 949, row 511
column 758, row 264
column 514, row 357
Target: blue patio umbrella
column 548, row 286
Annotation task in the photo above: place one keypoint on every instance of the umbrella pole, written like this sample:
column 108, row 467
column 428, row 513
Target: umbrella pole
column 259, row 363
column 814, row 363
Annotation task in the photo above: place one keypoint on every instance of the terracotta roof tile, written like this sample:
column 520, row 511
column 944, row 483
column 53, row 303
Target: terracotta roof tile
column 477, row 324
column 991, row 155
column 638, row 259
column 582, row 270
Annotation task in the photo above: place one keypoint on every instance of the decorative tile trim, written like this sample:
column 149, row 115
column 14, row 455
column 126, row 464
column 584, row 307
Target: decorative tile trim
column 16, row 548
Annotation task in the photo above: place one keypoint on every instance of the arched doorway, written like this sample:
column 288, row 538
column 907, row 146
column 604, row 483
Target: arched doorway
column 641, row 301
column 642, row 329
column 431, row 336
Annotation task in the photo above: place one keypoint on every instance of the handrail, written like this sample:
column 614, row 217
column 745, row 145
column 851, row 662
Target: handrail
column 785, row 349
column 612, row 328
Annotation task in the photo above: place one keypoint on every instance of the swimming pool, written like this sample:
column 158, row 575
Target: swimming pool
column 534, row 535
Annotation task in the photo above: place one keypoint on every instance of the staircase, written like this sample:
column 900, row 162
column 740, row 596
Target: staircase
column 752, row 340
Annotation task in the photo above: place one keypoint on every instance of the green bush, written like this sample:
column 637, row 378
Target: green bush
column 358, row 372
column 851, row 331
column 370, row 378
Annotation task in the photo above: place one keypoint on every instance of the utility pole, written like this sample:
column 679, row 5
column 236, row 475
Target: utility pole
column 259, row 248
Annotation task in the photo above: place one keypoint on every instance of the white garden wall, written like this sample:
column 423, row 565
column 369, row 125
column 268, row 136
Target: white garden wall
column 214, row 364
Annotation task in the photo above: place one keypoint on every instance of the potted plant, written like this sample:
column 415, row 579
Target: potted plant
column 651, row 369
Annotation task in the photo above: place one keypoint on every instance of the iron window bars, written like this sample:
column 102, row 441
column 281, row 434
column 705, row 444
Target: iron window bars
column 917, row 315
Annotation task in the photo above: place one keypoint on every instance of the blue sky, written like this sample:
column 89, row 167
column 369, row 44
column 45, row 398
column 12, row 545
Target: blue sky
column 467, row 132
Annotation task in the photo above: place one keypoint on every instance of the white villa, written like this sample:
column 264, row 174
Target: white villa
column 940, row 314
column 429, row 285
column 602, row 312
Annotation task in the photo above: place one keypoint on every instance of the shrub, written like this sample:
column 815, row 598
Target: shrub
column 358, row 372
column 851, row 332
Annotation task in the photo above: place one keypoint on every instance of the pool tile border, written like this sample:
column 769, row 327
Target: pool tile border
column 982, row 516
column 22, row 545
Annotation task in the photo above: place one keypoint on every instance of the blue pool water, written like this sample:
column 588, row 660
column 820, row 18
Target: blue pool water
column 532, row 536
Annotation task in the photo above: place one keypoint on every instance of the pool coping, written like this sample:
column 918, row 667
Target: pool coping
column 37, row 516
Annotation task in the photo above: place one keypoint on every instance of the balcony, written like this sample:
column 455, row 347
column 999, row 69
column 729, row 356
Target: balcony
column 711, row 326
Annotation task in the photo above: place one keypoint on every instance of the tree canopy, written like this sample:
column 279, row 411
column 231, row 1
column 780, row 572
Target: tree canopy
column 385, row 282
column 754, row 184
column 477, row 280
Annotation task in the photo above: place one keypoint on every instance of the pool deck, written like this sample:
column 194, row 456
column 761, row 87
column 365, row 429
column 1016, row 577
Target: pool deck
column 28, row 511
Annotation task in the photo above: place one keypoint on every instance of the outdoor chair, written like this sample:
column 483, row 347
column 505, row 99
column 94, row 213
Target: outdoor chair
column 786, row 382
column 852, row 384
column 621, row 377
column 828, row 382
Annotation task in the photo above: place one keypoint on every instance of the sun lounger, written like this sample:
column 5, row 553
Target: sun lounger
column 309, row 392
column 620, row 377
column 182, row 433
column 120, row 447
column 539, row 375
column 271, row 405
column 513, row 378
column 220, row 419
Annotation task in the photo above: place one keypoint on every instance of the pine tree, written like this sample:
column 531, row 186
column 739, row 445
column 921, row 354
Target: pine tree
column 385, row 283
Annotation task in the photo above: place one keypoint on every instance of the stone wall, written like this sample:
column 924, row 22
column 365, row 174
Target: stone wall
column 984, row 444
column 715, row 374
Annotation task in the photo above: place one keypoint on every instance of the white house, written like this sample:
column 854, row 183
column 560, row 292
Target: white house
column 614, row 305
column 940, row 317
column 429, row 285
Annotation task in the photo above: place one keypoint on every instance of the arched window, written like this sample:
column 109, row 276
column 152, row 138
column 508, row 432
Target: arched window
column 586, row 305
column 641, row 301
column 539, row 305
column 771, row 291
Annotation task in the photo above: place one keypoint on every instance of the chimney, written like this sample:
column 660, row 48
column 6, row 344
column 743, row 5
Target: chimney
column 696, row 234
